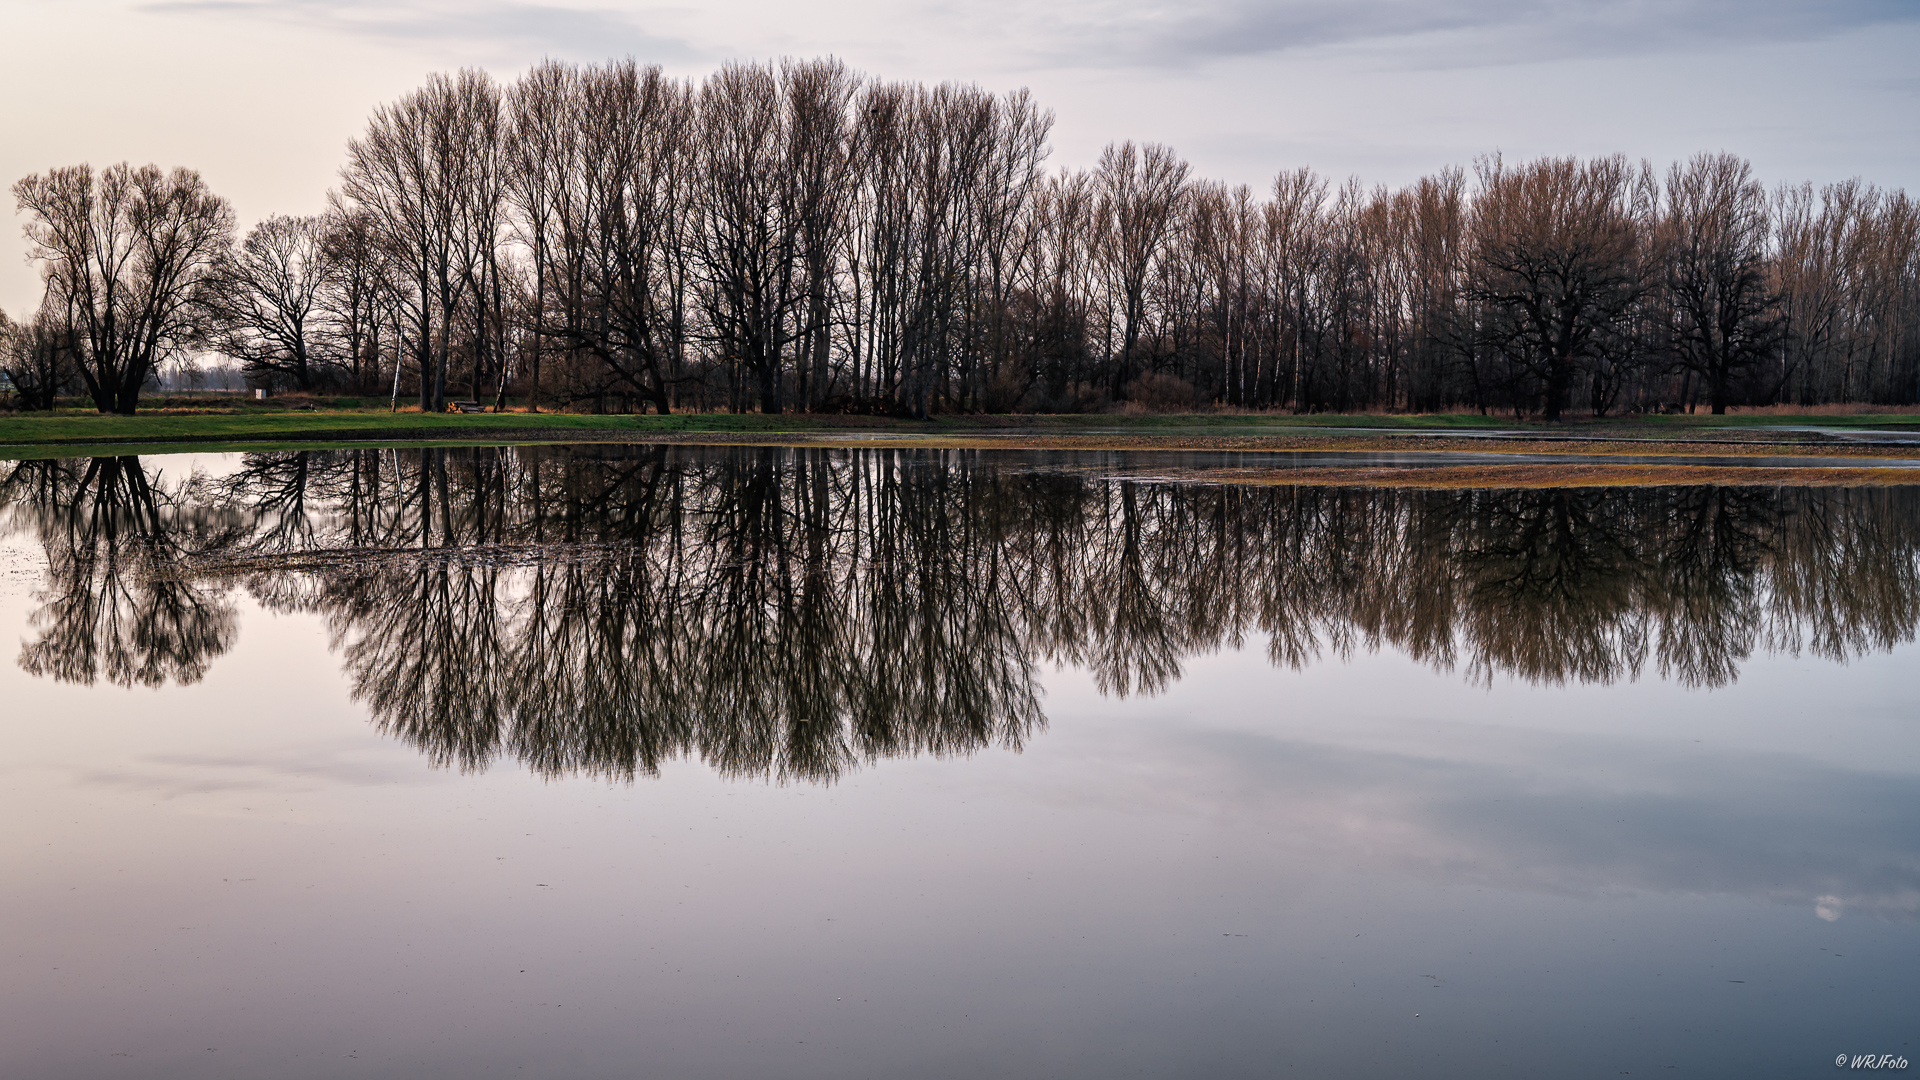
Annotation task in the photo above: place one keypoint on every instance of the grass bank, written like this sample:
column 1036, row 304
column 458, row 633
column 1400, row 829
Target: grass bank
column 76, row 432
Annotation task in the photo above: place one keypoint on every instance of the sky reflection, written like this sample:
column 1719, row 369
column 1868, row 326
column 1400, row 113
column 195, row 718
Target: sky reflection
column 1253, row 868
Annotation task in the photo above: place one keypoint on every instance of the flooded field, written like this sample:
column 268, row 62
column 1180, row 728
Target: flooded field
column 649, row 760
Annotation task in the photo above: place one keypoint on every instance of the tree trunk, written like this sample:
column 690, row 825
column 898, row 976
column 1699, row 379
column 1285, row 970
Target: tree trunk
column 769, row 388
column 1558, row 376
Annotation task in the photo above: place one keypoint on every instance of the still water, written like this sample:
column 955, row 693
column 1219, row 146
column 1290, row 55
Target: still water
column 756, row 762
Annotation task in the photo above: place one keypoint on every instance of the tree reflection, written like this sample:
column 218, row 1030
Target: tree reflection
column 118, row 604
column 791, row 613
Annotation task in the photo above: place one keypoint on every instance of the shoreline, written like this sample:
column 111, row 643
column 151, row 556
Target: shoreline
column 1586, row 453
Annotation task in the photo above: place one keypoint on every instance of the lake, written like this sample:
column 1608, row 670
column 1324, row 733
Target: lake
column 683, row 761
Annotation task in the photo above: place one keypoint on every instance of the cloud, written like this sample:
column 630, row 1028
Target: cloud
column 1908, row 85
column 1551, row 813
column 503, row 28
column 1440, row 33
column 311, row 767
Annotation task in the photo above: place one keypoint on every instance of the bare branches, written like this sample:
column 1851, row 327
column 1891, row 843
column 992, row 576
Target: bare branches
column 428, row 173
column 793, row 235
column 122, row 254
column 40, row 358
column 261, row 303
column 1712, row 253
column 1142, row 192
column 1558, row 264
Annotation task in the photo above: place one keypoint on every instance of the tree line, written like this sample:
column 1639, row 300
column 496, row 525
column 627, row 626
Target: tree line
column 795, row 612
column 795, row 236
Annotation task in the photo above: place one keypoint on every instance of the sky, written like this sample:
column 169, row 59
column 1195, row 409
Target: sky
column 261, row 96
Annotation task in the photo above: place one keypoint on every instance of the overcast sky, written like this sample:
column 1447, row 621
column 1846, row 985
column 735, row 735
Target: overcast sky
column 261, row 95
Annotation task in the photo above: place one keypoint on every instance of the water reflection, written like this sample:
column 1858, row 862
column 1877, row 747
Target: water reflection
column 792, row 612
column 119, row 601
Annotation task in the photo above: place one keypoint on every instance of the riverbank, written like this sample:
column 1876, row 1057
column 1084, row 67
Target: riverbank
column 1856, row 444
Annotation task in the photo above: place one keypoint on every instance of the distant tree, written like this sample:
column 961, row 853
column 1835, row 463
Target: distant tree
column 818, row 95
column 358, row 292
column 797, row 235
column 635, row 126
column 418, row 171
column 1556, row 256
column 541, row 152
column 1061, row 288
column 1142, row 194
column 1712, row 252
column 261, row 303
column 750, row 241
column 123, row 253
column 1291, row 240
column 8, row 333
column 39, row 358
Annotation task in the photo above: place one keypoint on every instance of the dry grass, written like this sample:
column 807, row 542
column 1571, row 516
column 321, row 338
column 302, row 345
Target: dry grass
column 1851, row 409
column 1303, row 442
column 1454, row 477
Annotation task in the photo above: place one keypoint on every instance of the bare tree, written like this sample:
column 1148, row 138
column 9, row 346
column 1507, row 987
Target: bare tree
column 415, row 171
column 261, row 303
column 818, row 93
column 1142, row 193
column 749, row 245
column 1556, row 253
column 1063, row 287
column 1712, row 251
column 1009, row 186
column 791, row 235
column 9, row 359
column 539, row 167
column 122, row 254
column 477, row 129
column 359, row 292
column 1291, row 225
column 40, row 357
column 880, row 236
column 635, row 123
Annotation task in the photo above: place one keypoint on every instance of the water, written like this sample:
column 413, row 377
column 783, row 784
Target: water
column 618, row 761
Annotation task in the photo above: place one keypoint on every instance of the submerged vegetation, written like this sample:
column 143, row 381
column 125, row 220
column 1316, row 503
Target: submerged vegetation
column 797, row 237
